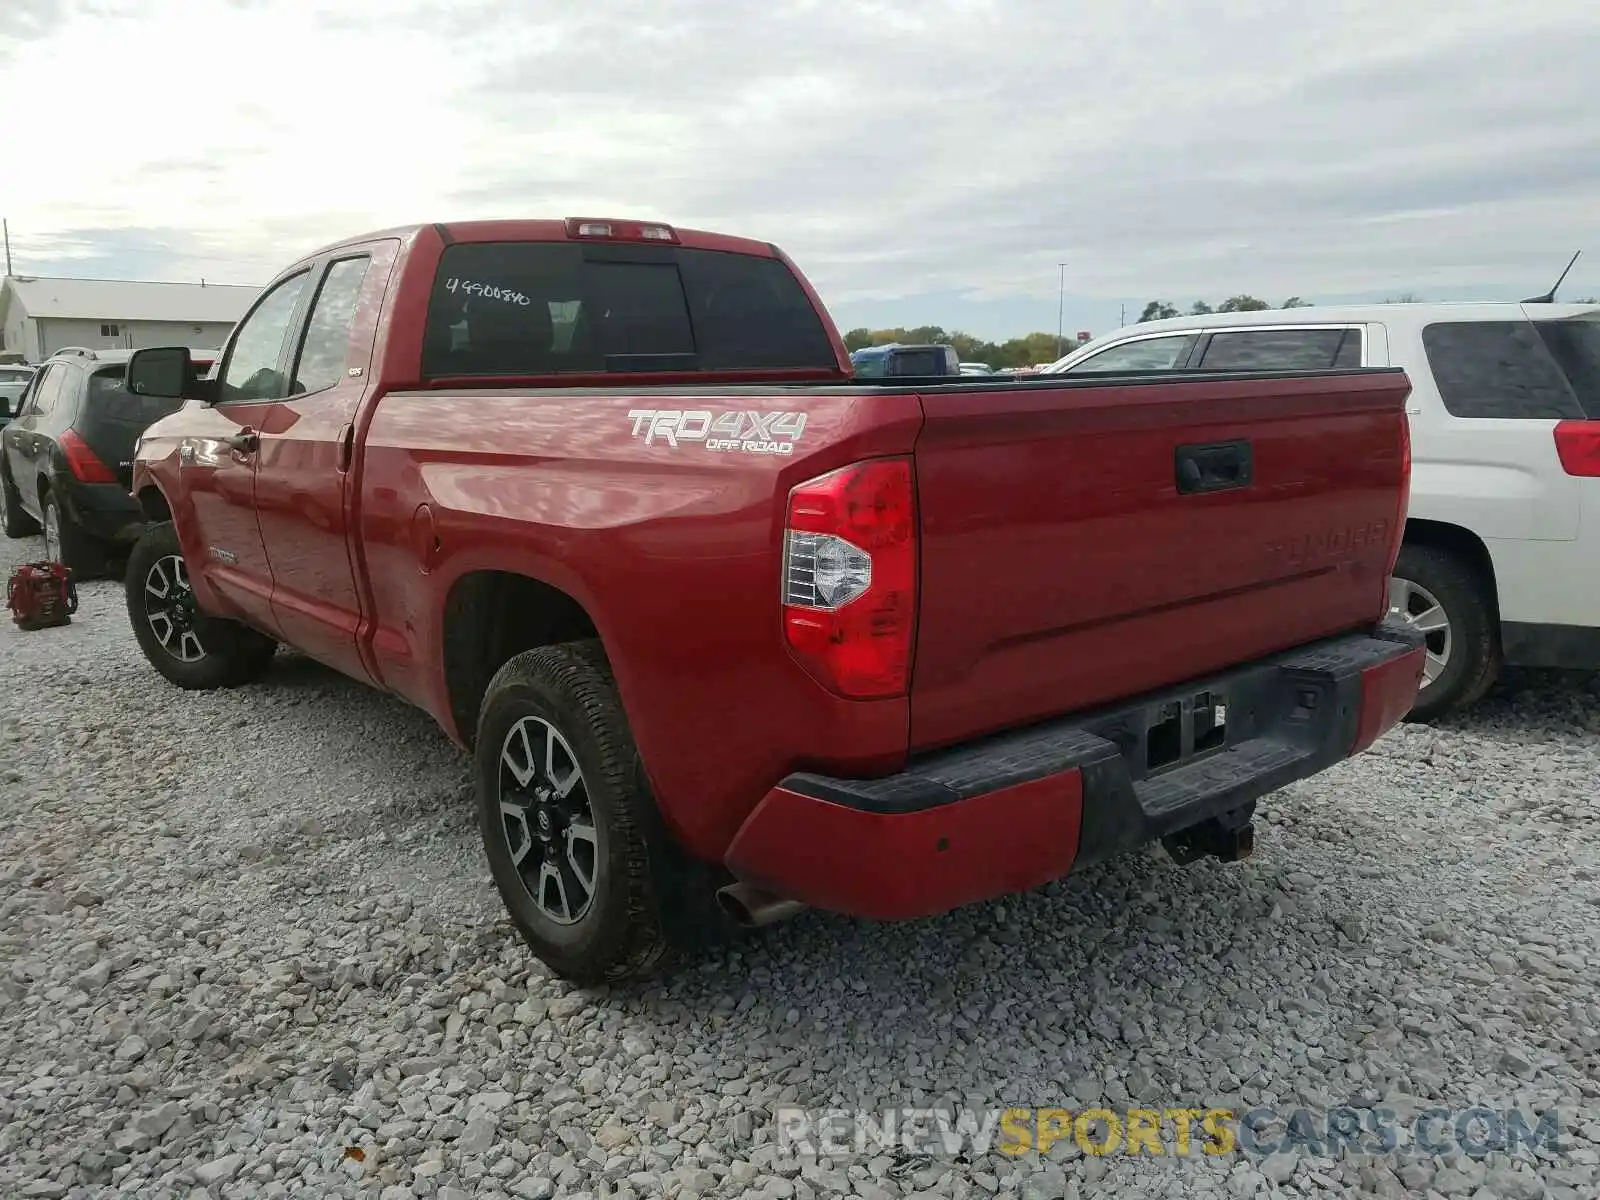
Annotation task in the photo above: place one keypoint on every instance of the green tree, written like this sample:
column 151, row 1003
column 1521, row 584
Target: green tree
column 1242, row 303
column 857, row 339
column 1158, row 310
column 1296, row 302
column 1200, row 309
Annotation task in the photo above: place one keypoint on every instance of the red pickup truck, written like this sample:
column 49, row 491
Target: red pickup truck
column 730, row 632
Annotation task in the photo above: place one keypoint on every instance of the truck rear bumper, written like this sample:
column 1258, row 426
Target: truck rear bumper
column 1012, row 812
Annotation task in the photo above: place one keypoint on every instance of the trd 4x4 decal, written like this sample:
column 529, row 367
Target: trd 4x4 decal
column 741, row 432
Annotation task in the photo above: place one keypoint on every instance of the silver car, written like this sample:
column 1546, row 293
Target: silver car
column 13, row 382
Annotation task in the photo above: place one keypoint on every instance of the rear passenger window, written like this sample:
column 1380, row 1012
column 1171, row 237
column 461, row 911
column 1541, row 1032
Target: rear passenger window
column 535, row 308
column 1575, row 345
column 918, row 363
column 1497, row 369
column 1286, row 349
column 326, row 343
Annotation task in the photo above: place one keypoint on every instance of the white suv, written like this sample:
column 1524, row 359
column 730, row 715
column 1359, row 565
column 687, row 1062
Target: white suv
column 1501, row 560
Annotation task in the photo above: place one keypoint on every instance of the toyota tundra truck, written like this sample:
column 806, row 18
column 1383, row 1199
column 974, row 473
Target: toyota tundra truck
column 730, row 632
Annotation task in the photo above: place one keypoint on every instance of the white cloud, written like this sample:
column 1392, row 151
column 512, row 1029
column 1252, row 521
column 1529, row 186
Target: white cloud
column 896, row 149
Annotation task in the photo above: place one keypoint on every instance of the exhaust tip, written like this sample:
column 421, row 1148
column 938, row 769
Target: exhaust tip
column 751, row 908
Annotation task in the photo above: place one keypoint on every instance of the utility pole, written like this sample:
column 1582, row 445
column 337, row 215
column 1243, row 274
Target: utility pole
column 6, row 225
column 1061, row 312
column 1124, row 318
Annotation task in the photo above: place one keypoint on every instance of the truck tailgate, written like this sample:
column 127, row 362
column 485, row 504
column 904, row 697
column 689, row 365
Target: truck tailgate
column 1094, row 541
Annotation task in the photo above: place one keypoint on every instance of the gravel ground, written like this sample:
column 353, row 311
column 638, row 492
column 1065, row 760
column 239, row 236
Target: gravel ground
column 250, row 950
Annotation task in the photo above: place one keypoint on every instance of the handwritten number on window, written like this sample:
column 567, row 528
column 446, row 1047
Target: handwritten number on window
column 487, row 290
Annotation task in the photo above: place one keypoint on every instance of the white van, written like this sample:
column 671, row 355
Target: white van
column 1501, row 561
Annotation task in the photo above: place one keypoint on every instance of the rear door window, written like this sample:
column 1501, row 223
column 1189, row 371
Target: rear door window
column 1497, row 369
column 1286, row 349
column 1575, row 345
column 325, row 345
column 920, row 363
column 535, row 308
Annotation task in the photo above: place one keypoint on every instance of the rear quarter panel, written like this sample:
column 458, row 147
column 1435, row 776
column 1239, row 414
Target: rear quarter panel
column 674, row 551
column 1502, row 480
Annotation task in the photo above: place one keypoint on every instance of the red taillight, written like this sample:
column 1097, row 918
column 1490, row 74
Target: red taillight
column 621, row 231
column 1578, row 446
column 850, row 577
column 85, row 466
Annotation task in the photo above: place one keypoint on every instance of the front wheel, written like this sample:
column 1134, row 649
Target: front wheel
column 1444, row 597
column 574, row 840
column 191, row 649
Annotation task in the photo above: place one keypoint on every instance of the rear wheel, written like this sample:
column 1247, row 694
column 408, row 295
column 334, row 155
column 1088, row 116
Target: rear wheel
column 15, row 522
column 575, row 843
column 66, row 543
column 1448, row 600
column 191, row 649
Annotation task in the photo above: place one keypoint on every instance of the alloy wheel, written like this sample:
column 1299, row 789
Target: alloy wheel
column 547, row 821
column 169, row 606
column 1420, row 609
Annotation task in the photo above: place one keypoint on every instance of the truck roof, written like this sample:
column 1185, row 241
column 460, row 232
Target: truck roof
column 551, row 230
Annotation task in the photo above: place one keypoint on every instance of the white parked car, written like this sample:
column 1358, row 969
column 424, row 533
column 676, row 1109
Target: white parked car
column 14, row 379
column 1501, row 560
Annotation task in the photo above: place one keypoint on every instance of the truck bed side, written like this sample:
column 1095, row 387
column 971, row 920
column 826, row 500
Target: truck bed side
column 672, row 550
column 1059, row 566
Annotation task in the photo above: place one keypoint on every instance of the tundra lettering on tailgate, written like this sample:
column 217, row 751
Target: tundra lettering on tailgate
column 1330, row 545
column 742, row 431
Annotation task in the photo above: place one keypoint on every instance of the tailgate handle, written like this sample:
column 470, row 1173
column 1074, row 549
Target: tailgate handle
column 1213, row 467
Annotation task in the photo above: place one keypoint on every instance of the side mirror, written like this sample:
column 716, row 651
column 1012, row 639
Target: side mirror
column 160, row 371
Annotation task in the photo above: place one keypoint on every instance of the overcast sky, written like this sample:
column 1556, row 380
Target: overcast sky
column 930, row 161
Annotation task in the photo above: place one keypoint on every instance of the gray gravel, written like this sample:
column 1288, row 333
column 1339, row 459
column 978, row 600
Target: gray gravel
column 248, row 949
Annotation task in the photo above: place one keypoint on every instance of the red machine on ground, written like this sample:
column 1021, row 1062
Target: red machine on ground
column 41, row 595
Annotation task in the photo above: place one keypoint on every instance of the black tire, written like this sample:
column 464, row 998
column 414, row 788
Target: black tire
column 77, row 550
column 1474, row 632
column 230, row 653
column 648, row 901
column 15, row 522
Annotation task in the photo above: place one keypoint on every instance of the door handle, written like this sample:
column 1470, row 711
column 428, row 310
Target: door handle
column 244, row 442
column 1213, row 467
column 347, row 445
